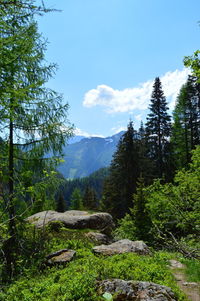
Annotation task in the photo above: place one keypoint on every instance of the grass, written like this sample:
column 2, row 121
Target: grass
column 192, row 270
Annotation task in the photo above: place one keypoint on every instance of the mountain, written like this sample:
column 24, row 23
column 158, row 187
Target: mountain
column 75, row 139
column 88, row 155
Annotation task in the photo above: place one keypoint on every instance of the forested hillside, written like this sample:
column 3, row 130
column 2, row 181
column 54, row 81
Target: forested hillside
column 92, row 185
column 87, row 155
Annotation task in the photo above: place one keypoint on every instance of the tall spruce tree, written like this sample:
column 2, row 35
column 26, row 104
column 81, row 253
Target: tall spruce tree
column 32, row 118
column 158, row 129
column 124, row 172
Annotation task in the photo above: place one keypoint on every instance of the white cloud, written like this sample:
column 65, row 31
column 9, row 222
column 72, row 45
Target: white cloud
column 118, row 129
column 138, row 117
column 120, row 101
column 172, row 82
column 79, row 132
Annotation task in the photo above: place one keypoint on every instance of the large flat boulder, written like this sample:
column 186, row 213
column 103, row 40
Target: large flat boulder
column 135, row 290
column 60, row 257
column 74, row 219
column 123, row 246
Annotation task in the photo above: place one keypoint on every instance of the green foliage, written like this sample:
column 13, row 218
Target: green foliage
column 94, row 181
column 76, row 200
column 176, row 208
column 179, row 131
column 159, row 210
column 126, row 228
column 137, row 224
column 158, row 129
column 193, row 62
column 192, row 269
column 32, row 119
column 185, row 131
column 125, row 169
column 107, row 296
column 60, row 203
column 139, row 213
column 90, row 199
column 77, row 281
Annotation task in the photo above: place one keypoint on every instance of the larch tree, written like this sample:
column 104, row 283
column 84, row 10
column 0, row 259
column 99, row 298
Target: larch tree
column 158, row 128
column 186, row 125
column 33, row 119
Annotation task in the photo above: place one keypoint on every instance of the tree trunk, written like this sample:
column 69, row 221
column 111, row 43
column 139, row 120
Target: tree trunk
column 10, row 244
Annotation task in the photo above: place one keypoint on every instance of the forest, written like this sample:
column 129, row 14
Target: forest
column 151, row 188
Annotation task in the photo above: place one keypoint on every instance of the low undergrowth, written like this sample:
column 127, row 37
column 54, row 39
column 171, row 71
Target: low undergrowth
column 77, row 280
column 192, row 269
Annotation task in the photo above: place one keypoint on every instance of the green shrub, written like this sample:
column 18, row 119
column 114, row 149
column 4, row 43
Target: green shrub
column 78, row 279
column 192, row 269
column 126, row 228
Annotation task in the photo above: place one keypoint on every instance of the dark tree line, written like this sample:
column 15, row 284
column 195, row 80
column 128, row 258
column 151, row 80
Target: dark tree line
column 90, row 188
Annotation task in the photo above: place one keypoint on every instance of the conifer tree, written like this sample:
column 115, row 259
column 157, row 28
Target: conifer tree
column 124, row 172
column 90, row 198
column 146, row 165
column 186, row 126
column 32, row 117
column 60, row 204
column 158, row 129
column 139, row 213
column 76, row 200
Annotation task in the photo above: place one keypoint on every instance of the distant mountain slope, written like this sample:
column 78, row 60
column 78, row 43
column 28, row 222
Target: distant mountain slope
column 75, row 139
column 88, row 155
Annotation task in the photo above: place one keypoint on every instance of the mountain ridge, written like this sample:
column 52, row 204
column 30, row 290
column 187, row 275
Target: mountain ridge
column 87, row 154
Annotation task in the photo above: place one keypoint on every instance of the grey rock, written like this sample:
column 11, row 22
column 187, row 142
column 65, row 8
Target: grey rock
column 176, row 264
column 191, row 284
column 60, row 257
column 74, row 219
column 123, row 246
column 135, row 290
column 99, row 238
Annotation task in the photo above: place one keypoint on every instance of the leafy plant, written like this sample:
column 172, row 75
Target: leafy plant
column 107, row 296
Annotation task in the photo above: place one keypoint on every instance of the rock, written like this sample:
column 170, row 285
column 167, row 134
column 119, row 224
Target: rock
column 99, row 238
column 60, row 257
column 176, row 264
column 135, row 290
column 123, row 246
column 191, row 284
column 74, row 219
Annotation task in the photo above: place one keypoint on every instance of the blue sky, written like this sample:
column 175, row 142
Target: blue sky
column 110, row 51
